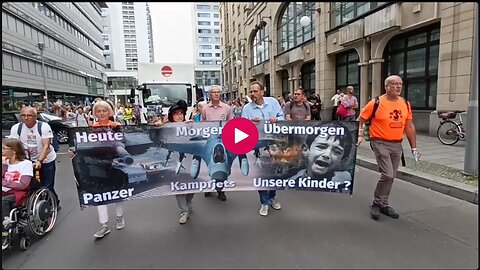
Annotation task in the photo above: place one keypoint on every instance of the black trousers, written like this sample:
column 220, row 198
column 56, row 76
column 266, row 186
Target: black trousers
column 334, row 113
column 7, row 205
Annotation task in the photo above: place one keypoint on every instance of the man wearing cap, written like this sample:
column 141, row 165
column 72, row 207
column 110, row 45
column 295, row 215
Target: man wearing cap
column 215, row 110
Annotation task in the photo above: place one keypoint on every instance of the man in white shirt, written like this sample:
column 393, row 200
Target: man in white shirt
column 39, row 146
column 336, row 101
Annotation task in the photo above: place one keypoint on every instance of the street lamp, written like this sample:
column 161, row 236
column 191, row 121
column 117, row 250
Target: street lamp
column 41, row 46
column 260, row 48
column 306, row 20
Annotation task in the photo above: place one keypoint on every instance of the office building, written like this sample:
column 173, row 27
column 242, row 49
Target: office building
column 66, row 37
column 128, row 40
column 324, row 46
column 127, row 35
column 207, row 56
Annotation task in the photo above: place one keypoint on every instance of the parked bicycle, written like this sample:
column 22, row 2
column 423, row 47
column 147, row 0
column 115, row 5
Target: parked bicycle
column 449, row 131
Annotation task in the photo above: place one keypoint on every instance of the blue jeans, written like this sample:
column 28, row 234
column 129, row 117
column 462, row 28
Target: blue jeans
column 266, row 195
column 350, row 118
column 47, row 176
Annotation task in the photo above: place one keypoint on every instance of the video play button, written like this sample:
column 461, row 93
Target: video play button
column 240, row 136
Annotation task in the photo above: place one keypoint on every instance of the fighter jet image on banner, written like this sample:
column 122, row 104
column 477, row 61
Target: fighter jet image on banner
column 217, row 158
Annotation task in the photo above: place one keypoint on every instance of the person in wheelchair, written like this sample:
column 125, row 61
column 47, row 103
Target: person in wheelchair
column 17, row 172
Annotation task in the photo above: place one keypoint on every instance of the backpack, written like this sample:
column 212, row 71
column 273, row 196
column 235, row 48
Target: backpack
column 292, row 103
column 366, row 130
column 55, row 142
column 76, row 118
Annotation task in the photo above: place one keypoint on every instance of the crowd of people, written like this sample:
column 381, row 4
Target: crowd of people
column 82, row 115
column 386, row 134
column 297, row 106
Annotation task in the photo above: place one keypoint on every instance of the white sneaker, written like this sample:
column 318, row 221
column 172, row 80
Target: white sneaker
column 7, row 221
column 263, row 210
column 120, row 223
column 104, row 230
column 275, row 204
column 5, row 240
column 184, row 217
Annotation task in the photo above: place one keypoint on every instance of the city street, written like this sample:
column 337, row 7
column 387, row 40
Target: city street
column 312, row 230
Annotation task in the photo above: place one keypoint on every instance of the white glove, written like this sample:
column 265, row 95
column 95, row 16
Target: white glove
column 416, row 154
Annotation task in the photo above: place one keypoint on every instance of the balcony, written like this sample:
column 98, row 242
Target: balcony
column 383, row 19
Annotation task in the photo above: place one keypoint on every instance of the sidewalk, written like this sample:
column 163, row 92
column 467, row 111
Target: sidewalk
column 440, row 167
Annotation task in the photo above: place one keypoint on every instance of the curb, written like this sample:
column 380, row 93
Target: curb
column 436, row 183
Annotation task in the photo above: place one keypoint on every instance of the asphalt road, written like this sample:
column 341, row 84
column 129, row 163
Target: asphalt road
column 312, row 230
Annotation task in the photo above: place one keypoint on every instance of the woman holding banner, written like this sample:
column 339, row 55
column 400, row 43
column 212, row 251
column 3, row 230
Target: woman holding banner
column 102, row 112
column 177, row 113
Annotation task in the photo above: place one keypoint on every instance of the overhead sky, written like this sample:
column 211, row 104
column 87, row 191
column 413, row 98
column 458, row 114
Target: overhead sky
column 172, row 32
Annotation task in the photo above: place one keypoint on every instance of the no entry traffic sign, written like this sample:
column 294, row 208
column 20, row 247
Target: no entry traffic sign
column 167, row 71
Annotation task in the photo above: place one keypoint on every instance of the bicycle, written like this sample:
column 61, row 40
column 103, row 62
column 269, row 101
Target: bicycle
column 449, row 131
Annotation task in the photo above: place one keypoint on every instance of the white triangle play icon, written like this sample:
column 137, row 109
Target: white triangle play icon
column 239, row 135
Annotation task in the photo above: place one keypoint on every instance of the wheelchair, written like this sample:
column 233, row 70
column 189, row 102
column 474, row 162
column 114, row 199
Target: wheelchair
column 37, row 214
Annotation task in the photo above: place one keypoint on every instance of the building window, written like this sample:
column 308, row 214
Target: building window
column 203, row 15
column 290, row 32
column 261, row 41
column 348, row 72
column 342, row 12
column 204, row 31
column 308, row 78
column 285, row 89
column 206, row 47
column 414, row 57
column 206, row 62
column 203, row 7
column 206, row 23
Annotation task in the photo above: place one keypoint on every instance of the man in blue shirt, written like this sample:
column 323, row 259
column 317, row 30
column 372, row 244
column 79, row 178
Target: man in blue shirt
column 263, row 108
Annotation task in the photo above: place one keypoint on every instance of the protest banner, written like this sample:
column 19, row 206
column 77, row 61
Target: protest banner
column 133, row 162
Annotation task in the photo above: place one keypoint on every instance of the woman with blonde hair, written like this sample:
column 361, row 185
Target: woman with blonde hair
column 102, row 111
